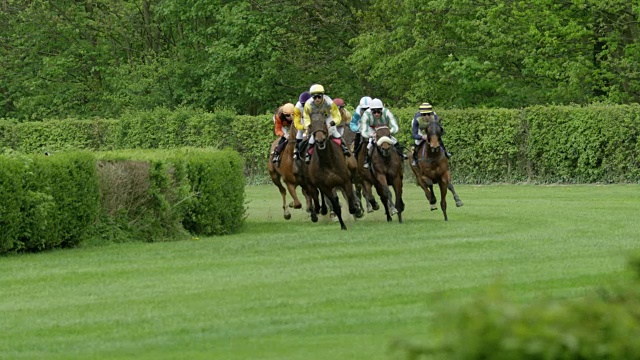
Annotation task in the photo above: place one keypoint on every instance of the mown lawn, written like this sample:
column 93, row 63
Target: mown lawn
column 297, row 290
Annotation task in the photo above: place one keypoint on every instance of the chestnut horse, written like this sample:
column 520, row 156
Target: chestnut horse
column 328, row 169
column 433, row 167
column 285, row 171
column 387, row 170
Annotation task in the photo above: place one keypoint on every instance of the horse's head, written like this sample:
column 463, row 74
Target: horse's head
column 318, row 129
column 434, row 132
column 383, row 140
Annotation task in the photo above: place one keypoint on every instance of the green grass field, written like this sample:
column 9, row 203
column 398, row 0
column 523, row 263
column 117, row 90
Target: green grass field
column 298, row 290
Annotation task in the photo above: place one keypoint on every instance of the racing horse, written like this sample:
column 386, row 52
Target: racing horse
column 433, row 167
column 328, row 170
column 285, row 171
column 387, row 170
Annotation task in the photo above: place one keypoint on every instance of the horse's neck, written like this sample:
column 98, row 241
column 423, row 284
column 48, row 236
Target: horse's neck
column 328, row 154
column 425, row 149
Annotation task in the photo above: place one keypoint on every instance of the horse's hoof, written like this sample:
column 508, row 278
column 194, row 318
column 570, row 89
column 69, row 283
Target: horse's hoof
column 434, row 208
column 369, row 208
column 314, row 218
column 287, row 216
column 333, row 217
column 375, row 206
column 359, row 215
column 459, row 203
column 394, row 211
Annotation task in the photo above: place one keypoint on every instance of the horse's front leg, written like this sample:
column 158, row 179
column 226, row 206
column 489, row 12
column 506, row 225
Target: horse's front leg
column 275, row 178
column 397, row 187
column 443, row 198
column 453, row 191
column 368, row 194
column 296, row 202
column 334, row 203
column 385, row 196
column 313, row 203
column 355, row 207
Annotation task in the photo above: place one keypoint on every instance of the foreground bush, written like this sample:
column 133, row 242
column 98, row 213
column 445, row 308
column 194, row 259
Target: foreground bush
column 605, row 325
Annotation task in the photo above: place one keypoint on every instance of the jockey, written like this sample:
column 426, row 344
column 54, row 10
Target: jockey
column 356, row 120
column 283, row 118
column 425, row 113
column 344, row 115
column 378, row 115
column 299, row 122
column 321, row 103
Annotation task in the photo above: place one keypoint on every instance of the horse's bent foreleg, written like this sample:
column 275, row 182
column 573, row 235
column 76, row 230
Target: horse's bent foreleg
column 355, row 207
column 311, row 193
column 336, row 206
column 275, row 178
column 455, row 195
column 296, row 202
column 368, row 194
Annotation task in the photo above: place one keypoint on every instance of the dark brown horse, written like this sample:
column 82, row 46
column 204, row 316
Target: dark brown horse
column 285, row 171
column 387, row 170
column 433, row 167
column 362, row 178
column 328, row 169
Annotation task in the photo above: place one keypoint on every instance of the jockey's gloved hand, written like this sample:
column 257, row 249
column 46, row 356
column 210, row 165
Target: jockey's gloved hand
column 332, row 123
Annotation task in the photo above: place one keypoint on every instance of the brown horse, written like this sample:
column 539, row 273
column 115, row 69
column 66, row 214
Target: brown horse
column 328, row 169
column 387, row 170
column 433, row 167
column 362, row 184
column 285, row 171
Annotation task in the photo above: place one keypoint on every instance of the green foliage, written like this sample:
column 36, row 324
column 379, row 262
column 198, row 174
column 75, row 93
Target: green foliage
column 605, row 325
column 156, row 195
column 49, row 201
column 145, row 195
column 597, row 143
column 71, row 182
column 67, row 134
column 12, row 193
column 218, row 182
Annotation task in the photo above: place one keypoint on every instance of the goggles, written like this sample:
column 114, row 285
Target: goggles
column 376, row 111
column 318, row 96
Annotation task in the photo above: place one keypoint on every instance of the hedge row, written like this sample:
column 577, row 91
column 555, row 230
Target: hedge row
column 598, row 143
column 47, row 202
column 67, row 198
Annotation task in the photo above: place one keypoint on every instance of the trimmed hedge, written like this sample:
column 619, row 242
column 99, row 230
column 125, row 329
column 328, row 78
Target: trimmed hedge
column 597, row 143
column 47, row 201
column 67, row 198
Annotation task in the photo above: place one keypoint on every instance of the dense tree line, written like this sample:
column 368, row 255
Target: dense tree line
column 104, row 57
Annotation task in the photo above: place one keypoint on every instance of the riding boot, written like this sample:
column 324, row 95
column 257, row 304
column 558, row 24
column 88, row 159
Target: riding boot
column 356, row 143
column 446, row 153
column 296, row 149
column 367, row 162
column 414, row 162
column 344, row 147
column 307, row 157
column 400, row 151
column 278, row 149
